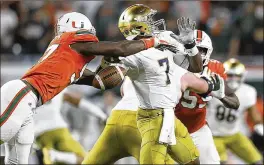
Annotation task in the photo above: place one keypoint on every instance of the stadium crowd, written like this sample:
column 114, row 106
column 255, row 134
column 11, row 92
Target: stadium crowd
column 27, row 26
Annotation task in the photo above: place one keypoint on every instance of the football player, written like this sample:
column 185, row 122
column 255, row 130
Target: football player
column 55, row 140
column 191, row 109
column 155, row 79
column 62, row 64
column 224, row 122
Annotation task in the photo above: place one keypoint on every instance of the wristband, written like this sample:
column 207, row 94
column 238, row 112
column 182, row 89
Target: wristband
column 190, row 46
column 210, row 87
column 148, row 42
column 193, row 51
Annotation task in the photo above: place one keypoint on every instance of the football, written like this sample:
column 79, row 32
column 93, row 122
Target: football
column 109, row 77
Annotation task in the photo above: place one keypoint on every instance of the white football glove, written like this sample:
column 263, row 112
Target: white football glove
column 218, row 81
column 186, row 28
column 173, row 45
column 220, row 93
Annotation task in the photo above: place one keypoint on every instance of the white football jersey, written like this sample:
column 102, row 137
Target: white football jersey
column 156, row 78
column 48, row 116
column 129, row 100
column 225, row 121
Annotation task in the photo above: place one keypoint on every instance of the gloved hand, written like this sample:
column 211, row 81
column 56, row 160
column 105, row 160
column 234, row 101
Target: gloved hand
column 219, row 92
column 186, row 28
column 107, row 61
column 173, row 44
column 217, row 80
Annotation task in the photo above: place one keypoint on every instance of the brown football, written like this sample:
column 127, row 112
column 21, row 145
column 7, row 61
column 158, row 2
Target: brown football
column 109, row 77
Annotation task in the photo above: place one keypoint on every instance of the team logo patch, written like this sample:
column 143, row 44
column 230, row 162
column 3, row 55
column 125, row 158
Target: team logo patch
column 76, row 26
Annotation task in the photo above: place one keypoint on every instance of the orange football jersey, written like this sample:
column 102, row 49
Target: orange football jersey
column 191, row 109
column 60, row 65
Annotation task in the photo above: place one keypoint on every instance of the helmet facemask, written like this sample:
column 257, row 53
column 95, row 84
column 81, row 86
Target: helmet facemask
column 234, row 80
column 204, row 45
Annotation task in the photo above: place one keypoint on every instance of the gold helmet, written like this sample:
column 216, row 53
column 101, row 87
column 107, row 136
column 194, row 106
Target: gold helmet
column 138, row 20
column 235, row 71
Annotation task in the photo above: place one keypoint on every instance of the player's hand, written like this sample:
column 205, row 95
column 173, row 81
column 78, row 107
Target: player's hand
column 219, row 91
column 107, row 61
column 172, row 44
column 186, row 28
column 218, row 82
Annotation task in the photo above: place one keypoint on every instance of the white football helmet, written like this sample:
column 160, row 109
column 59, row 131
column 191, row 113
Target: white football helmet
column 204, row 44
column 72, row 22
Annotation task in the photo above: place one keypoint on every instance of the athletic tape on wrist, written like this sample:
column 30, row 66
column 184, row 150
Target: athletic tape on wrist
column 98, row 78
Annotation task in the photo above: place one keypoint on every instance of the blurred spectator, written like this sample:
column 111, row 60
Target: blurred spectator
column 247, row 33
column 218, row 26
column 34, row 33
column 9, row 22
column 27, row 26
column 88, row 8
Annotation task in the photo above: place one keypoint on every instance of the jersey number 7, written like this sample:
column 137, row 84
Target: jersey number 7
column 163, row 62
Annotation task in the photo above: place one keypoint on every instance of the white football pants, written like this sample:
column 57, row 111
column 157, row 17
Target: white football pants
column 16, row 122
column 203, row 139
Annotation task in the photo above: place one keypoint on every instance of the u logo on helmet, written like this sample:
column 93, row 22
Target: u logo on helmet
column 76, row 26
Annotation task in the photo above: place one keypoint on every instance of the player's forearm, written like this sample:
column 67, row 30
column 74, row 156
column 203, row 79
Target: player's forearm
column 230, row 101
column 254, row 115
column 196, row 84
column 195, row 63
column 113, row 49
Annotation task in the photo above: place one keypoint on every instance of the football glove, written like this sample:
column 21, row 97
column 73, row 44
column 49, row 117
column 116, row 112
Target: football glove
column 186, row 28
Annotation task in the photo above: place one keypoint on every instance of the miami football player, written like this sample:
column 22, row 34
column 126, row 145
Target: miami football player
column 147, row 73
column 191, row 109
column 224, row 121
column 62, row 64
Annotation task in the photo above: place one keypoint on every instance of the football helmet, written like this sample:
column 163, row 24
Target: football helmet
column 137, row 20
column 204, row 44
column 72, row 22
column 236, row 72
